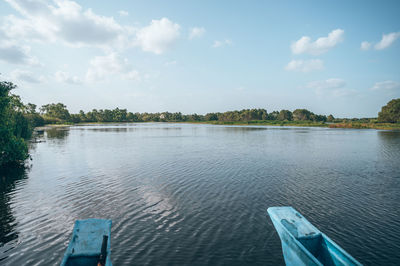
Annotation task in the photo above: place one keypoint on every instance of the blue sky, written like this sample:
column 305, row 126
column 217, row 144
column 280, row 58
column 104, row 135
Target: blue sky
column 336, row 57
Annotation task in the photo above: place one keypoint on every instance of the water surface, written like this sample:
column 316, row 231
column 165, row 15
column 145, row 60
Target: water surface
column 181, row 194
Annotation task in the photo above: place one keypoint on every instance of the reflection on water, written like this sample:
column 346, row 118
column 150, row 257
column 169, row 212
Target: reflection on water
column 181, row 194
column 57, row 133
column 9, row 179
column 391, row 136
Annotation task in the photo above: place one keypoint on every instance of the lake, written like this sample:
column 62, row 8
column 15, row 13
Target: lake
column 192, row 194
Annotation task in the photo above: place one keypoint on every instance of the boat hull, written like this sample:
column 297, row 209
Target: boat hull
column 303, row 243
column 86, row 242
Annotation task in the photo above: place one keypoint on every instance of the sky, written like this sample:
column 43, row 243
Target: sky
column 330, row 57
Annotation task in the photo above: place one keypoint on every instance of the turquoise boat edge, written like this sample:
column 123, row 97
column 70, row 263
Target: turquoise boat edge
column 286, row 236
column 104, row 224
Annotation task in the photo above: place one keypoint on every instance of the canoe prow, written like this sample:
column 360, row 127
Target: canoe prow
column 303, row 243
column 86, row 243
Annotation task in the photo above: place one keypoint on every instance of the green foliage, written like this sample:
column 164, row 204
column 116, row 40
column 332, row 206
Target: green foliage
column 58, row 113
column 273, row 115
column 285, row 115
column 55, row 112
column 390, row 112
column 20, row 125
column 318, row 118
column 271, row 123
column 35, row 120
column 231, row 116
column 305, row 115
column 211, row 117
column 301, row 115
column 14, row 127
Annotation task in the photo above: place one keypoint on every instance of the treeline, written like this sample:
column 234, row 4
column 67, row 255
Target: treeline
column 58, row 113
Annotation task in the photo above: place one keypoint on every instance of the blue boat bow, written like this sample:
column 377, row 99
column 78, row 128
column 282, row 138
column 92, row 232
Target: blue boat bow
column 303, row 243
column 86, row 245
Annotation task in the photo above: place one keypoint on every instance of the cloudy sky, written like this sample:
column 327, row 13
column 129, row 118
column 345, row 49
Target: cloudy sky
column 337, row 57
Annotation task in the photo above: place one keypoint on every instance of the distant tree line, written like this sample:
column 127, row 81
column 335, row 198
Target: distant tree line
column 58, row 113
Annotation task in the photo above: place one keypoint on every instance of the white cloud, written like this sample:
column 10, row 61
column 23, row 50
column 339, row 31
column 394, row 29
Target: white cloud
column 65, row 77
column 386, row 85
column 305, row 65
column 218, row 44
column 102, row 67
column 387, row 40
column 365, row 46
column 25, row 76
column 333, row 83
column 196, row 33
column 123, row 13
column 159, row 36
column 13, row 53
column 333, row 87
column 321, row 45
column 65, row 21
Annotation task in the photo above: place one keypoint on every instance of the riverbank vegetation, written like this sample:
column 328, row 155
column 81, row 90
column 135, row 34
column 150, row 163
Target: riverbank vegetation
column 59, row 114
column 388, row 118
column 17, row 120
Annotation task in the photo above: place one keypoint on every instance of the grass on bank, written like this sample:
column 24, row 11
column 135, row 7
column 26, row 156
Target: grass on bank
column 355, row 125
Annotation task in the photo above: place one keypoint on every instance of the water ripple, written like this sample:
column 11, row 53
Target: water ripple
column 198, row 194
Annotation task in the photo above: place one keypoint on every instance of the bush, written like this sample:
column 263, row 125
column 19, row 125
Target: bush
column 14, row 127
column 390, row 112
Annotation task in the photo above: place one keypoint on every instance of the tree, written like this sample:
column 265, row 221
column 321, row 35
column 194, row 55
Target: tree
column 31, row 108
column 92, row 116
column 119, row 115
column 273, row 115
column 56, row 111
column 13, row 149
column 132, row 117
column 285, row 115
column 390, row 113
column 75, row 118
column 301, row 115
column 106, row 115
column 82, row 116
column 195, row 117
column 177, row 116
column 330, row 118
column 211, row 117
column 318, row 118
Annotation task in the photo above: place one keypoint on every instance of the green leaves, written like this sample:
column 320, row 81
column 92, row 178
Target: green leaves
column 14, row 127
column 390, row 112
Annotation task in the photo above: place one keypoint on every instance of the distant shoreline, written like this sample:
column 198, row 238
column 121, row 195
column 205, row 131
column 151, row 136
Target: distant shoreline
column 350, row 125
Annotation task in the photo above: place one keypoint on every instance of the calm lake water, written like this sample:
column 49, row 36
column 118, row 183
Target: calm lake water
column 182, row 194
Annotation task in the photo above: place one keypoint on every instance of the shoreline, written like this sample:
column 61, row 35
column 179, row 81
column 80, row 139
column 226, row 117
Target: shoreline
column 351, row 125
